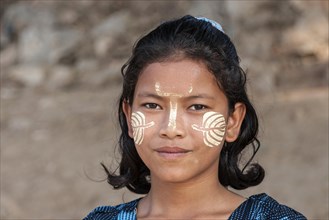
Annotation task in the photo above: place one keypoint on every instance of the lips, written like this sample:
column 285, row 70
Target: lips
column 172, row 152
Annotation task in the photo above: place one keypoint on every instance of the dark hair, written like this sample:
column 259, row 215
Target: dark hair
column 189, row 37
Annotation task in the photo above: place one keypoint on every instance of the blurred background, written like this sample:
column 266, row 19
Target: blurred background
column 60, row 79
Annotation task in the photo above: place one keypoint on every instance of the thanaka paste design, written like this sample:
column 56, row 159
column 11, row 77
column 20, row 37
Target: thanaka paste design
column 213, row 128
column 138, row 125
column 173, row 103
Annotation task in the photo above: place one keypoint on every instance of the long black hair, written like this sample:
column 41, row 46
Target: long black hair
column 196, row 39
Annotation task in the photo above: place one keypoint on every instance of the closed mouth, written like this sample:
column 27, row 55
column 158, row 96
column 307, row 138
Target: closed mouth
column 172, row 150
column 172, row 153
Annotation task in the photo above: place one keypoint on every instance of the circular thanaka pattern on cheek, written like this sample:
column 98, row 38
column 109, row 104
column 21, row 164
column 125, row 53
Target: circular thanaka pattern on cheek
column 213, row 128
column 138, row 124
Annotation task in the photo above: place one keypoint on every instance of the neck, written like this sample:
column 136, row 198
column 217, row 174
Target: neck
column 176, row 200
column 177, row 193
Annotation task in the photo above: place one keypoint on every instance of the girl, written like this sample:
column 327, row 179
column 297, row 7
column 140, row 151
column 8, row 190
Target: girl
column 185, row 119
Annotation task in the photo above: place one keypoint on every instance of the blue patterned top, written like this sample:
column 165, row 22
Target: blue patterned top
column 256, row 207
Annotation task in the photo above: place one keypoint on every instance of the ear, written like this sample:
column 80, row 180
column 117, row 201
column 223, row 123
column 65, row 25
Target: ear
column 127, row 111
column 234, row 122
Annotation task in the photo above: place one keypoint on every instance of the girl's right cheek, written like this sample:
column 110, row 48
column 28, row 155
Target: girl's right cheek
column 139, row 123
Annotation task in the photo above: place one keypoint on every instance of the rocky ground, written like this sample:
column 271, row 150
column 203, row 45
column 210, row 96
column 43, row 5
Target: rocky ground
column 60, row 63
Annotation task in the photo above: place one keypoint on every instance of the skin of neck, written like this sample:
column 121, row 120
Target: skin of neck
column 188, row 200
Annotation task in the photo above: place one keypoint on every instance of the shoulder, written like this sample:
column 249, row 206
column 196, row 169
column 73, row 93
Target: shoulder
column 122, row 211
column 264, row 207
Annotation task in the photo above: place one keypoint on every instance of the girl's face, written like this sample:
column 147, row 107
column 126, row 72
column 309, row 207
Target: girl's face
column 180, row 119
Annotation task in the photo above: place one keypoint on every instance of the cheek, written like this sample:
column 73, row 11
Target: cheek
column 139, row 124
column 213, row 128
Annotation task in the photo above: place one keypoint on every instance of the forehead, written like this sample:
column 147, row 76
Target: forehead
column 181, row 77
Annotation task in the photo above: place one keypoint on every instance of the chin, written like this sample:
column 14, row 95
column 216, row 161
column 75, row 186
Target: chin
column 173, row 176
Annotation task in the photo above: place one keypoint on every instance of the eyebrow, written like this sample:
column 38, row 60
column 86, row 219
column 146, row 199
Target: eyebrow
column 200, row 96
column 149, row 95
column 156, row 96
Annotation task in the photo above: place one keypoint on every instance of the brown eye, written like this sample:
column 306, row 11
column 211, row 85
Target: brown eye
column 198, row 107
column 152, row 106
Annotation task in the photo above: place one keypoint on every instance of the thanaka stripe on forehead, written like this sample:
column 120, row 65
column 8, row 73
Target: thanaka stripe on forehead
column 198, row 96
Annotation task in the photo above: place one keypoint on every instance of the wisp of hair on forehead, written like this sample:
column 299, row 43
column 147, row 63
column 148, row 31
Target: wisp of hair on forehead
column 196, row 39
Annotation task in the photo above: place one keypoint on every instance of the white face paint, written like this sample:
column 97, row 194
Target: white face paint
column 138, row 125
column 173, row 103
column 213, row 128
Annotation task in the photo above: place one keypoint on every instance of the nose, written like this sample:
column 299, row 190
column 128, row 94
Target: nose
column 173, row 124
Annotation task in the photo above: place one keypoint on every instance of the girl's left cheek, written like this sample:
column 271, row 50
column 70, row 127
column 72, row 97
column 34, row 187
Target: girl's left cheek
column 213, row 128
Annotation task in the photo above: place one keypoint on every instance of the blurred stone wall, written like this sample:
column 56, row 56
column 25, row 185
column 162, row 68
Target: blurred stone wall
column 59, row 42
column 60, row 62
